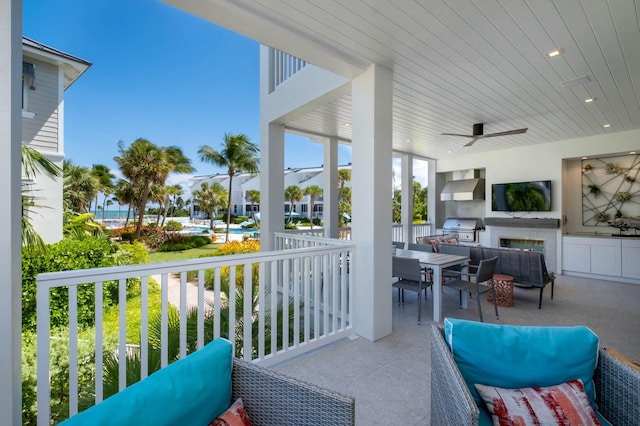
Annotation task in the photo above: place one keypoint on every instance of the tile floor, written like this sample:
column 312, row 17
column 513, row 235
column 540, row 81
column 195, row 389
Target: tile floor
column 390, row 378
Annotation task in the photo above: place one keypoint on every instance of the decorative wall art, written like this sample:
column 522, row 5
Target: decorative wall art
column 611, row 191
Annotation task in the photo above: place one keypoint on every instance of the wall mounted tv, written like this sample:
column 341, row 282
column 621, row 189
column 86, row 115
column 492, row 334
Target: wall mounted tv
column 532, row 196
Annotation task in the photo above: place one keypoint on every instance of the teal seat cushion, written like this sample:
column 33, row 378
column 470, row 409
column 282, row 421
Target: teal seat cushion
column 191, row 391
column 522, row 356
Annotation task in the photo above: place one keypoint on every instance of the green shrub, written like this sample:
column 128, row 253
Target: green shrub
column 290, row 226
column 136, row 253
column 172, row 225
column 127, row 236
column 239, row 219
column 184, row 242
column 67, row 255
column 317, row 221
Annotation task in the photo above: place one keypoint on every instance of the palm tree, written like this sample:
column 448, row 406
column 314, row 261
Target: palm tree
column 210, row 197
column 144, row 164
column 33, row 164
column 238, row 155
column 105, row 181
column 313, row 191
column 253, row 197
column 292, row 194
column 124, row 194
column 170, row 191
column 79, row 186
column 344, row 194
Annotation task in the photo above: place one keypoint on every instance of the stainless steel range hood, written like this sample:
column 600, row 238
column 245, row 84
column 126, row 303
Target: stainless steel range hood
column 463, row 190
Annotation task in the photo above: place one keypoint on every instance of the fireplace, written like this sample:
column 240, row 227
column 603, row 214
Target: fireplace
column 543, row 240
column 532, row 244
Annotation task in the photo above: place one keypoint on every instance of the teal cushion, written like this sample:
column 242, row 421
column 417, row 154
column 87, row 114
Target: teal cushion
column 522, row 356
column 191, row 391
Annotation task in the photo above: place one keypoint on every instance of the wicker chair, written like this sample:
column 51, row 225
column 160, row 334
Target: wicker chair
column 617, row 388
column 271, row 398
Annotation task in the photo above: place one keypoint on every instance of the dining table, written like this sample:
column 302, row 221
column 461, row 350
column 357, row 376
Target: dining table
column 437, row 262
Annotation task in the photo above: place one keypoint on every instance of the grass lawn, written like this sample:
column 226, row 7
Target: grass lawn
column 204, row 251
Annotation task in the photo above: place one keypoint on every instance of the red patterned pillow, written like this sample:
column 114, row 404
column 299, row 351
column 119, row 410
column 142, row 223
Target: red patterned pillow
column 234, row 416
column 565, row 404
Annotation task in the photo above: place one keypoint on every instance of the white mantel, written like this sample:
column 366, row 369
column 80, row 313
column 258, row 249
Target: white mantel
column 551, row 237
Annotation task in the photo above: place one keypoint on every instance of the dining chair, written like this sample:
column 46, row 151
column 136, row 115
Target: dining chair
column 478, row 283
column 398, row 244
column 453, row 272
column 420, row 247
column 410, row 277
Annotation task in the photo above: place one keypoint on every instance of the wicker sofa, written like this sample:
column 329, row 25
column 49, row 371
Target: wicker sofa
column 617, row 387
column 271, row 398
column 196, row 389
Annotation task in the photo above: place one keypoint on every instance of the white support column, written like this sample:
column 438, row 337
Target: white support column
column 407, row 197
column 372, row 195
column 432, row 196
column 330, row 188
column 10, row 214
column 271, row 183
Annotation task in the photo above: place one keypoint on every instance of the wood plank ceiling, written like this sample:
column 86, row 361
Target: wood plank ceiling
column 460, row 62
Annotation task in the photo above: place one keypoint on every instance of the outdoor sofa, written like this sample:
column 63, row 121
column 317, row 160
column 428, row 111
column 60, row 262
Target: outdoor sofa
column 197, row 389
column 527, row 267
column 615, row 387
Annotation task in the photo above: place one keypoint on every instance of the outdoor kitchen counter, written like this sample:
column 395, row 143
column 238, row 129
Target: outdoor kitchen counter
column 609, row 257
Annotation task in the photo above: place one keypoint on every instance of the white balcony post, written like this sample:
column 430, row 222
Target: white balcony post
column 271, row 183
column 407, row 198
column 10, row 214
column 330, row 188
column 371, row 195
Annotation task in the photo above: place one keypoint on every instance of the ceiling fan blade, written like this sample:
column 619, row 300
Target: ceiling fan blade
column 473, row 140
column 508, row 132
column 457, row 134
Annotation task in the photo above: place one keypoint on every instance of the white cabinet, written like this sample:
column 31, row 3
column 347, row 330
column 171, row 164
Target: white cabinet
column 576, row 255
column 631, row 259
column 598, row 256
column 606, row 257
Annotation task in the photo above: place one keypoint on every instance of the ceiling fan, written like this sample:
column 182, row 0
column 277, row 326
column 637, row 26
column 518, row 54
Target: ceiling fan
column 478, row 130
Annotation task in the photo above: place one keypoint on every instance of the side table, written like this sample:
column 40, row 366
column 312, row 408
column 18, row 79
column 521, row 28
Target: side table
column 504, row 290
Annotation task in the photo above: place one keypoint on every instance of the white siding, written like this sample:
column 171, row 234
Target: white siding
column 41, row 131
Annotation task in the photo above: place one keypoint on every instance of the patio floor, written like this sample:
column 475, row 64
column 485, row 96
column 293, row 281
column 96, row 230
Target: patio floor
column 390, row 378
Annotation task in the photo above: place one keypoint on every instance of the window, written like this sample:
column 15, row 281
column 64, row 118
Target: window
column 304, row 208
column 28, row 84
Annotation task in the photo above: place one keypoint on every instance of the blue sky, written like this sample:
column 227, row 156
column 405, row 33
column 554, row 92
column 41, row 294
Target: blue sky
column 158, row 73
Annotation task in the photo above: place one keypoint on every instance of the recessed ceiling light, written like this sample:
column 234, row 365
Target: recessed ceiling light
column 584, row 158
column 632, row 152
column 589, row 100
column 407, row 140
column 554, row 52
column 449, row 152
column 606, row 126
column 347, row 124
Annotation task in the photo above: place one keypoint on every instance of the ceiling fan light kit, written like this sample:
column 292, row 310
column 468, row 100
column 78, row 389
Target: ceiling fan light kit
column 478, row 133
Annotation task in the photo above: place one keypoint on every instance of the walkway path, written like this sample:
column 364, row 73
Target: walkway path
column 192, row 291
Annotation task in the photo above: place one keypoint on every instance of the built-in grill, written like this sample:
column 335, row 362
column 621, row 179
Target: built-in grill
column 466, row 228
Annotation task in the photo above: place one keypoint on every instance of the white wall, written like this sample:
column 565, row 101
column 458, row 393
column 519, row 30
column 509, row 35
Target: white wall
column 538, row 162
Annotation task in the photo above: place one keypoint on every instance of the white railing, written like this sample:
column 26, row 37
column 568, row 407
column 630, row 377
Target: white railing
column 283, row 67
column 397, row 232
column 312, row 284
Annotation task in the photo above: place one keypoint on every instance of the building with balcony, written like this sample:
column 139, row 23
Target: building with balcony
column 391, row 78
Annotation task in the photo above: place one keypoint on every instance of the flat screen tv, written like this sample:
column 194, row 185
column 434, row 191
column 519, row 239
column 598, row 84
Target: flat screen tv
column 532, row 196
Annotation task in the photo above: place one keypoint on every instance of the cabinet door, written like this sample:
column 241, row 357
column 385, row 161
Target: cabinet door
column 631, row 259
column 606, row 259
column 576, row 257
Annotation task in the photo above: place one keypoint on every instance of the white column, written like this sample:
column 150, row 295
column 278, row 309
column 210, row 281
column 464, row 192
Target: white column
column 371, row 196
column 10, row 213
column 330, row 188
column 271, row 183
column 432, row 196
column 407, row 197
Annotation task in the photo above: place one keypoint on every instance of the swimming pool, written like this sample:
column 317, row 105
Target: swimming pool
column 199, row 230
